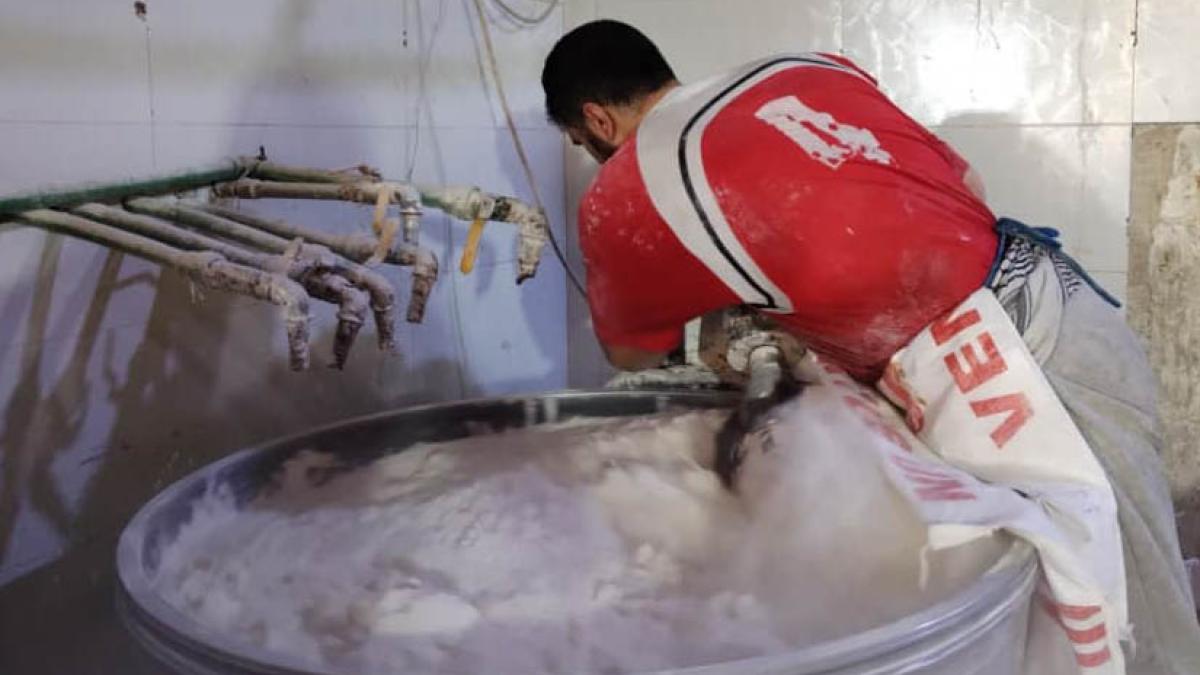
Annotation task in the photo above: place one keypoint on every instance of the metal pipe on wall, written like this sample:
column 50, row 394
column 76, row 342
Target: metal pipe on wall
column 321, row 284
column 205, row 267
column 300, row 254
column 181, row 181
column 466, row 203
column 382, row 295
column 356, row 246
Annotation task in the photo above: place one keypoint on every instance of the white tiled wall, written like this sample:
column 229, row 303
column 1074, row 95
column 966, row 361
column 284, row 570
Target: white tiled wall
column 587, row 366
column 55, row 49
column 700, row 37
column 1034, row 61
column 321, row 63
column 100, row 366
column 1072, row 178
column 1040, row 95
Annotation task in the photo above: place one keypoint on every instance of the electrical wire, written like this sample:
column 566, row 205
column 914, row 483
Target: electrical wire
column 520, row 147
column 424, row 57
column 425, row 44
column 521, row 18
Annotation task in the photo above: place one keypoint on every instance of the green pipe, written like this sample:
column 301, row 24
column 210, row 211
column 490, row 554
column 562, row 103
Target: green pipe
column 208, row 268
column 298, row 174
column 281, row 228
column 110, row 237
column 169, row 233
column 114, row 192
column 174, row 211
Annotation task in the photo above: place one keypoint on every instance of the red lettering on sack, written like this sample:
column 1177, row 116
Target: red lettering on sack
column 1093, row 659
column 1086, row 635
column 941, row 490
column 867, row 413
column 976, row 372
column 888, row 432
column 858, row 404
column 930, row 484
column 1019, row 412
column 915, row 469
column 914, row 413
column 1078, row 636
column 1060, row 611
column 946, row 328
column 863, row 403
column 969, row 370
column 909, row 464
column 1077, row 612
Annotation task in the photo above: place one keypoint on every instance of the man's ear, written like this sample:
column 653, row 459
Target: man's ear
column 600, row 122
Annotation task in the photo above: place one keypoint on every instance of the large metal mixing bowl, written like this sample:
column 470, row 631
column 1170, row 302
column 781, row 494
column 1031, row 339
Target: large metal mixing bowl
column 981, row 630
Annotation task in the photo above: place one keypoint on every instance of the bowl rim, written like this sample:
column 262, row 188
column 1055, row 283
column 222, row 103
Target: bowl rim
column 976, row 607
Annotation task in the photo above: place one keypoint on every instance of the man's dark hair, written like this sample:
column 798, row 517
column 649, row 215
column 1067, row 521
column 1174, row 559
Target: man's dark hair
column 607, row 62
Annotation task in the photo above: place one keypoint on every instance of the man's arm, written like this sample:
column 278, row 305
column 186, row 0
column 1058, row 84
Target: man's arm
column 974, row 183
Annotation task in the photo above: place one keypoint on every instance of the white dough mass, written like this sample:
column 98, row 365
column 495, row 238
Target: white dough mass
column 601, row 547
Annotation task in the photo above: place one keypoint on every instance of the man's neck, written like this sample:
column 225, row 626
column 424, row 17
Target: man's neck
column 652, row 99
column 631, row 118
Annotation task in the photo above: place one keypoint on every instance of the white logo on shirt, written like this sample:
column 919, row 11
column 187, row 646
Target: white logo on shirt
column 820, row 135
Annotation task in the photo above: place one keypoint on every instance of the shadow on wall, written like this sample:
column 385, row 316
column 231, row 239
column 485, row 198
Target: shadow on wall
column 1043, row 177
column 37, row 423
column 1057, row 177
column 172, row 410
column 71, row 599
column 996, row 146
column 171, row 376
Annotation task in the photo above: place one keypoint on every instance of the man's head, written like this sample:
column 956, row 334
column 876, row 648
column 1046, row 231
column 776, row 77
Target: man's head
column 600, row 80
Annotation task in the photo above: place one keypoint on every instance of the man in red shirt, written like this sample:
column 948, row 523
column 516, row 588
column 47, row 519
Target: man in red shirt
column 837, row 214
column 794, row 186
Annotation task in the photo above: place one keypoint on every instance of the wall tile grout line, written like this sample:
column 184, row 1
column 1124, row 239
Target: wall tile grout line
column 150, row 95
column 267, row 125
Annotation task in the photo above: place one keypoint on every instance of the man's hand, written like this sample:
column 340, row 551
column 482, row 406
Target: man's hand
column 771, row 383
column 632, row 358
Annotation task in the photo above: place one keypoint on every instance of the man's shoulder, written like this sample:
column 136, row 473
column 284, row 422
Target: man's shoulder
column 686, row 105
column 783, row 61
column 617, row 175
column 616, row 195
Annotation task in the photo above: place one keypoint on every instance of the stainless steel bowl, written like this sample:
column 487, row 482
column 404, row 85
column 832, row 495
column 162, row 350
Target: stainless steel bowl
column 944, row 638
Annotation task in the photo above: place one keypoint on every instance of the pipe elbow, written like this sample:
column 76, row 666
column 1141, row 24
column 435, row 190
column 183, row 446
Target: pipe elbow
column 425, row 263
column 383, row 296
column 214, row 271
column 424, row 274
column 287, row 293
column 293, row 300
column 353, row 304
column 532, row 235
column 383, row 302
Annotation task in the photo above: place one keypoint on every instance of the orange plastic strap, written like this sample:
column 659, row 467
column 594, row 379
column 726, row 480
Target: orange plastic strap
column 471, row 249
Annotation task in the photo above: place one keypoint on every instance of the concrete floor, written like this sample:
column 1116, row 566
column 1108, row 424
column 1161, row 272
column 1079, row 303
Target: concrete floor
column 62, row 620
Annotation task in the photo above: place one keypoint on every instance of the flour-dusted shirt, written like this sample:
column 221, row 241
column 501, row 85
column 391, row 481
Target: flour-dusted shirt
column 794, row 185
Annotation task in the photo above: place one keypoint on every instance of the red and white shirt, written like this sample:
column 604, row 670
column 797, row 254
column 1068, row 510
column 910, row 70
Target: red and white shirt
column 792, row 185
